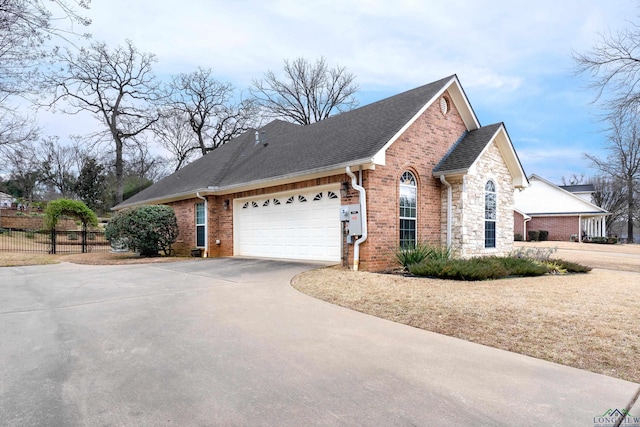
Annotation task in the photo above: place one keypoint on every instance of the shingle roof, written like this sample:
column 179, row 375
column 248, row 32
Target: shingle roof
column 292, row 149
column 578, row 188
column 467, row 149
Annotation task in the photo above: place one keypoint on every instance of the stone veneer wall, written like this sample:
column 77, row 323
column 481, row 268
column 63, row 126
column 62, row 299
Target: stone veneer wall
column 468, row 207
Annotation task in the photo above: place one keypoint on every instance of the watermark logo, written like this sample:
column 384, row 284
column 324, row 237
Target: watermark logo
column 616, row 417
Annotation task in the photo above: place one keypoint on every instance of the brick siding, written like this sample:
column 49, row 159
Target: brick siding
column 560, row 228
column 518, row 224
column 418, row 149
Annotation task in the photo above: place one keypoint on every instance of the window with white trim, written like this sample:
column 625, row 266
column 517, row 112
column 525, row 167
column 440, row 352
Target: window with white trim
column 200, row 225
column 490, row 214
column 408, row 210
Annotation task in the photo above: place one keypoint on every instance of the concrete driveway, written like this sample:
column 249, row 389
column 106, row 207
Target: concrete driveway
column 229, row 342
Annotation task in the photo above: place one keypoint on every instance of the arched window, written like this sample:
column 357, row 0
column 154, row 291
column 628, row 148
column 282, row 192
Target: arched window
column 490, row 214
column 408, row 210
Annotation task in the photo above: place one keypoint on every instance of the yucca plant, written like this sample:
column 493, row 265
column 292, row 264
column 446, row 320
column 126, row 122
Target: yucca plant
column 420, row 253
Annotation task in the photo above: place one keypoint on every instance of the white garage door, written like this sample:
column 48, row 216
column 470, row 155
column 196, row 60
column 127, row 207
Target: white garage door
column 296, row 225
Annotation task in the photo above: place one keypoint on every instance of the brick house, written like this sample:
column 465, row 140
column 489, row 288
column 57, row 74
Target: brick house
column 566, row 212
column 419, row 165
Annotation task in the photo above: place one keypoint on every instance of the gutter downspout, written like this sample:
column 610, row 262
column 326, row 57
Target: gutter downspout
column 449, row 208
column 363, row 210
column 206, row 224
column 525, row 221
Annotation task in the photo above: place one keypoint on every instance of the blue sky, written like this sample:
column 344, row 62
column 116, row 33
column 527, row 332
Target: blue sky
column 512, row 57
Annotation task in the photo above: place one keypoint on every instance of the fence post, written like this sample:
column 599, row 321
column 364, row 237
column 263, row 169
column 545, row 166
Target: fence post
column 53, row 240
column 84, row 238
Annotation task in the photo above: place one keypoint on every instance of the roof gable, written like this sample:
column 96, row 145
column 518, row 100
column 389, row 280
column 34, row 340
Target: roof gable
column 470, row 147
column 543, row 197
column 350, row 138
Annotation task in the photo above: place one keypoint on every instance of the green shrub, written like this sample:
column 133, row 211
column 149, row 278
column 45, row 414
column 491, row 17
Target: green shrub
column 406, row 257
column 421, row 252
column 518, row 237
column 571, row 267
column 147, row 229
column 603, row 240
column 534, row 235
column 72, row 235
column 522, row 266
column 460, row 269
column 481, row 268
column 21, row 214
column 544, row 235
column 75, row 208
column 29, row 234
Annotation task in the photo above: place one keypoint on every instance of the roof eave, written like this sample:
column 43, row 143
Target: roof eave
column 252, row 185
column 449, row 173
column 459, row 99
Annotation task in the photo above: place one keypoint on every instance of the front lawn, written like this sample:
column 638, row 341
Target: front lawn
column 588, row 321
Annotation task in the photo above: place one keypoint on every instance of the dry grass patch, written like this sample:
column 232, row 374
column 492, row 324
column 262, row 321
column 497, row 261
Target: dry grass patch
column 588, row 321
column 13, row 259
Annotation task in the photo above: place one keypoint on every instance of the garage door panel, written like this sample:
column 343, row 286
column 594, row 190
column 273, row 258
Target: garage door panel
column 302, row 225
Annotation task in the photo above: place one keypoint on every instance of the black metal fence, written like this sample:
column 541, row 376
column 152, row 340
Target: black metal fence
column 53, row 241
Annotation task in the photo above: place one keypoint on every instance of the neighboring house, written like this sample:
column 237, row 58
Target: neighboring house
column 418, row 163
column 566, row 212
column 6, row 200
column 584, row 191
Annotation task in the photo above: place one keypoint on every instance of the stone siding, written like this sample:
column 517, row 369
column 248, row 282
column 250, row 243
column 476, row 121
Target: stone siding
column 467, row 238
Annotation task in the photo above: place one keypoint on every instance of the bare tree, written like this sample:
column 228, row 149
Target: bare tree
column 59, row 166
column 574, row 179
column 117, row 86
column 623, row 162
column 307, row 93
column 174, row 133
column 15, row 131
column 25, row 26
column 211, row 109
column 25, row 173
column 610, row 195
column 613, row 69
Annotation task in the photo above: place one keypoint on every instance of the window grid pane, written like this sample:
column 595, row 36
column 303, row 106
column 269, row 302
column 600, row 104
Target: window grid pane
column 199, row 213
column 200, row 225
column 200, row 236
column 489, row 234
column 407, row 233
column 408, row 211
column 490, row 214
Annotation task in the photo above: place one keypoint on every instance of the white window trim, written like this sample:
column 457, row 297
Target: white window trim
column 203, row 224
column 414, row 219
column 484, row 214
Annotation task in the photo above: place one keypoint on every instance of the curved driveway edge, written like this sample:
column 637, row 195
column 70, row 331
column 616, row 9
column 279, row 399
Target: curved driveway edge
column 229, row 342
